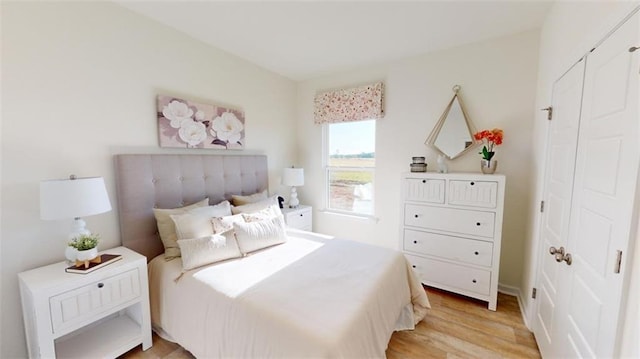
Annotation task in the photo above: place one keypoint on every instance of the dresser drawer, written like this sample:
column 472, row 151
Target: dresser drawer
column 85, row 303
column 453, row 220
column 437, row 273
column 454, row 248
column 473, row 193
column 425, row 190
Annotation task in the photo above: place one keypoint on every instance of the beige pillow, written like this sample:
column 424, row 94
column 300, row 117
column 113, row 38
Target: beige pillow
column 208, row 250
column 255, row 206
column 224, row 224
column 167, row 229
column 257, row 235
column 242, row 200
column 196, row 223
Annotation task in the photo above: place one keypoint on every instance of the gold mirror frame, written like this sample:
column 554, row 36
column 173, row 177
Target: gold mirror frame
column 469, row 130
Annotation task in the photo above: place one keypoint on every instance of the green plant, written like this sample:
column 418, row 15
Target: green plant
column 84, row 242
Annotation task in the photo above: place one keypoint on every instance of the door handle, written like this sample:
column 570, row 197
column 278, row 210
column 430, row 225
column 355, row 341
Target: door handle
column 560, row 255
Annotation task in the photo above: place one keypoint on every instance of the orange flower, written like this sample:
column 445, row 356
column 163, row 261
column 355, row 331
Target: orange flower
column 492, row 138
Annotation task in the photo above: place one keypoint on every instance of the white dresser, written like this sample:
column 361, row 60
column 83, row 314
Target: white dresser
column 451, row 228
column 101, row 314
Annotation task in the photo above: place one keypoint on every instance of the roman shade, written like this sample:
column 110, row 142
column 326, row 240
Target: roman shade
column 351, row 104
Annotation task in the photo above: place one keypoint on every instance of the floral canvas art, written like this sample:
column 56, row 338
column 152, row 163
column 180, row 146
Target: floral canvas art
column 186, row 124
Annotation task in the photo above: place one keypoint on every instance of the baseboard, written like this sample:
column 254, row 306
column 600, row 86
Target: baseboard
column 515, row 291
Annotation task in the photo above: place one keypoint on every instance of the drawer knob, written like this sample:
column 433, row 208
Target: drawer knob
column 100, row 285
column 477, row 223
column 300, row 214
column 424, row 181
column 415, row 242
column 414, row 266
column 415, row 215
column 474, row 281
column 476, row 253
column 472, row 183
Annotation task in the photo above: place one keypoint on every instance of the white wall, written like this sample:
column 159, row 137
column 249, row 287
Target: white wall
column 498, row 79
column 561, row 45
column 79, row 85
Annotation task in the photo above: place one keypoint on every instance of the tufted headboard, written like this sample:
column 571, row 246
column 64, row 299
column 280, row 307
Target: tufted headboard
column 170, row 181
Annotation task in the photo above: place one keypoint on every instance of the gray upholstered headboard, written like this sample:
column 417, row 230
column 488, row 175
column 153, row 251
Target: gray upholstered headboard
column 170, row 181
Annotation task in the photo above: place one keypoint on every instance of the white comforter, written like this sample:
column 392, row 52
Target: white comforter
column 308, row 297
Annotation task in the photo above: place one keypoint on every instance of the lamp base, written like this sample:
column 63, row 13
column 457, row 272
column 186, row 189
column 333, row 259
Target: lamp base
column 293, row 198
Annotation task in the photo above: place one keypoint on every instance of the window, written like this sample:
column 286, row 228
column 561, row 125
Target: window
column 350, row 166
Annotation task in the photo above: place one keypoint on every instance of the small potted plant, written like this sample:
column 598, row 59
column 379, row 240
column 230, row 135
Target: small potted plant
column 86, row 246
column 491, row 138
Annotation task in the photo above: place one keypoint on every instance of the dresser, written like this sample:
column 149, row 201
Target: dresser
column 102, row 314
column 451, row 229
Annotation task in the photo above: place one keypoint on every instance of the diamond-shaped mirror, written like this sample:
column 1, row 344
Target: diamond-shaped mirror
column 453, row 133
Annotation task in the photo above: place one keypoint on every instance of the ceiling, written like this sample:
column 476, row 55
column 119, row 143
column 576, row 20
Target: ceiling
column 306, row 39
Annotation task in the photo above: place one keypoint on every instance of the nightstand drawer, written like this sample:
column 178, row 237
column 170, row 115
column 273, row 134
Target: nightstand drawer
column 299, row 218
column 85, row 303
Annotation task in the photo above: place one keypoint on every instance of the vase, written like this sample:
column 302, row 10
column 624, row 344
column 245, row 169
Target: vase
column 87, row 255
column 488, row 167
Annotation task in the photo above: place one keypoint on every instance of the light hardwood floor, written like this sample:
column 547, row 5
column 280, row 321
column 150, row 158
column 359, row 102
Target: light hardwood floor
column 455, row 327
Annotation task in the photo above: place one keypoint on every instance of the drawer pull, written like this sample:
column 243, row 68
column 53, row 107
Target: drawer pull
column 424, row 181
column 415, row 242
column 100, row 285
column 415, row 215
column 413, row 266
column 472, row 183
column 474, row 281
column 478, row 224
column 301, row 214
column 476, row 253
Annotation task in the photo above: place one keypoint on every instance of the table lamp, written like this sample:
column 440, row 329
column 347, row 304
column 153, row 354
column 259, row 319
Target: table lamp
column 73, row 198
column 293, row 177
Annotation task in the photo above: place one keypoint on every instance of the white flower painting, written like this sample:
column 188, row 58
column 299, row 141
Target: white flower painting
column 186, row 124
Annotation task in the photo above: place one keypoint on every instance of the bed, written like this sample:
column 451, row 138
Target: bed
column 311, row 296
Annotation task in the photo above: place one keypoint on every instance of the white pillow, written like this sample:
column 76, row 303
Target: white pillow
column 207, row 250
column 257, row 235
column 267, row 213
column 167, row 229
column 256, row 197
column 196, row 223
column 224, row 224
column 256, row 206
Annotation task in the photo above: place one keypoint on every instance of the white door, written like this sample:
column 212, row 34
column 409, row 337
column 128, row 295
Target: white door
column 559, row 173
column 578, row 308
column 604, row 196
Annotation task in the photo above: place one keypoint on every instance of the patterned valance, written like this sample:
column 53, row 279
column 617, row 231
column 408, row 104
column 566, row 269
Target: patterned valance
column 352, row 104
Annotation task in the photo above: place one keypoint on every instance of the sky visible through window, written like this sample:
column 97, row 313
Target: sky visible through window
column 352, row 137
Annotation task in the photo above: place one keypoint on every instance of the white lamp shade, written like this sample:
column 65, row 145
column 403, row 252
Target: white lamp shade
column 293, row 177
column 73, row 198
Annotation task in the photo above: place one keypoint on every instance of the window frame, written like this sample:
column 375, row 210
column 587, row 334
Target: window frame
column 327, row 176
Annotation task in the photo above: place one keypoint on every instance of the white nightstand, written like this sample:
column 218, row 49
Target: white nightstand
column 101, row 314
column 299, row 218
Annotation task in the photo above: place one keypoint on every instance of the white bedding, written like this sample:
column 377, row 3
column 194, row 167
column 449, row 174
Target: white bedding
column 308, row 297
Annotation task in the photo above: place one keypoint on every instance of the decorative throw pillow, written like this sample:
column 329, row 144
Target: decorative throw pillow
column 267, row 213
column 207, row 250
column 242, row 200
column 196, row 223
column 224, row 224
column 255, row 206
column 257, row 235
column 167, row 229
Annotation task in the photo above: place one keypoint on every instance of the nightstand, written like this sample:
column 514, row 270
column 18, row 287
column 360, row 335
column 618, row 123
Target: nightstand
column 101, row 314
column 299, row 218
